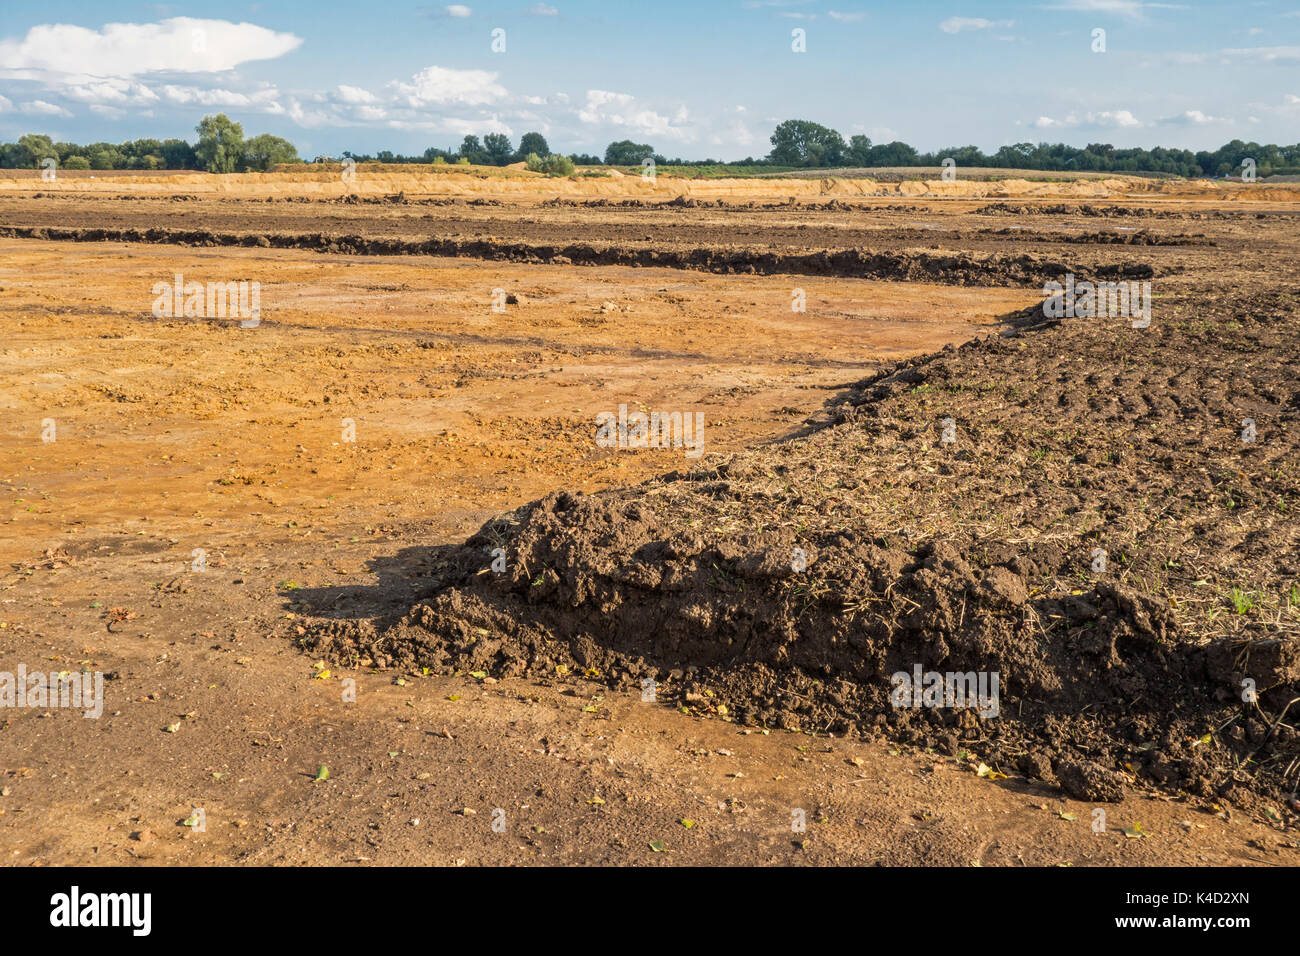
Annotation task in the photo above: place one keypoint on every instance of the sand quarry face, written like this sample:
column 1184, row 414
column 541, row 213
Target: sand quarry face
column 522, row 186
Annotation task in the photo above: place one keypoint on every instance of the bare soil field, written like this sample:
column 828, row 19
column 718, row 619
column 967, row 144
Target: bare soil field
column 278, row 542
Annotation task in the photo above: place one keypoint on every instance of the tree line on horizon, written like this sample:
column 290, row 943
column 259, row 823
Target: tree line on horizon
column 807, row 144
column 221, row 148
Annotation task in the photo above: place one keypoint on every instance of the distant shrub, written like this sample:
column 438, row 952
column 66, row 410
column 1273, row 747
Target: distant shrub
column 555, row 165
column 440, row 160
column 76, row 162
column 463, row 161
column 533, row 162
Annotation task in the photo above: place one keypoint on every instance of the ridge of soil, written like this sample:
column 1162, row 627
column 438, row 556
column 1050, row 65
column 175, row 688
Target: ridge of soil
column 1106, row 437
column 950, row 268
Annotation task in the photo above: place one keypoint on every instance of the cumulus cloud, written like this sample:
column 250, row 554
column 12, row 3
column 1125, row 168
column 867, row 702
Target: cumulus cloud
column 1193, row 118
column 1103, row 119
column 354, row 94
column 178, row 44
column 735, row 133
column 185, row 95
column 42, row 108
column 437, row 85
column 459, row 10
column 5, row 104
column 543, row 10
column 111, row 91
column 605, row 108
column 309, row 118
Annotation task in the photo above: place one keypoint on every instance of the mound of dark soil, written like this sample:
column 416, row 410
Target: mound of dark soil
column 1069, row 506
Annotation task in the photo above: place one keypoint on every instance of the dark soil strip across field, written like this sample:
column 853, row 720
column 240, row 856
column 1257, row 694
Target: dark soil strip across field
column 950, row 269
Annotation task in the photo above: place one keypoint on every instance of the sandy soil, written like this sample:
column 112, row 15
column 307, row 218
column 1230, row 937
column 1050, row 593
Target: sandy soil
column 182, row 434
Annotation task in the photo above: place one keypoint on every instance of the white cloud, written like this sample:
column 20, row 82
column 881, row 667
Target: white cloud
column 185, row 95
column 1133, row 9
column 42, row 108
column 111, row 91
column 1267, row 54
column 459, row 10
column 597, row 100
column 1193, row 118
column 605, row 108
column 354, row 94
column 308, row 118
column 5, row 104
column 958, row 24
column 108, row 112
column 179, row 44
column 1260, row 54
column 846, row 17
column 1116, row 118
column 454, row 126
column 734, row 134
column 441, row 85
column 1104, row 119
column 543, row 10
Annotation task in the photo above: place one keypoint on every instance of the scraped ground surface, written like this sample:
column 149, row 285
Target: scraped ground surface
column 194, row 440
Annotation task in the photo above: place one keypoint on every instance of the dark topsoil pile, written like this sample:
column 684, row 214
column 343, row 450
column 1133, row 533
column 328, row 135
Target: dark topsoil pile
column 970, row 555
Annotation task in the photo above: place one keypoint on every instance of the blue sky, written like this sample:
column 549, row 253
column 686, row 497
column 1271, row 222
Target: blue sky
column 693, row 79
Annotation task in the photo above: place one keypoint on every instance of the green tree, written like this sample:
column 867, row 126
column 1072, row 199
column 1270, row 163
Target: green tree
column 105, row 156
column 138, row 151
column 804, row 143
column 555, row 165
column 221, row 143
column 893, row 154
column 627, row 153
column 498, row 148
column 471, row 150
column 34, row 147
column 533, row 143
column 177, row 154
column 859, row 153
column 263, row 152
column 76, row 162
